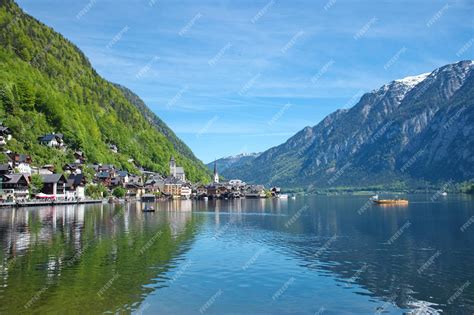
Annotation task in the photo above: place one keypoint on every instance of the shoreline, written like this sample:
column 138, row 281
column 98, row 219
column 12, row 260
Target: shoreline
column 26, row 204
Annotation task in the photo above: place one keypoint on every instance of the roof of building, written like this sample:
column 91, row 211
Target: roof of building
column 106, row 167
column 122, row 173
column 134, row 178
column 19, row 158
column 75, row 180
column 134, row 185
column 173, row 181
column 179, row 170
column 5, row 130
column 103, row 175
column 93, row 166
column 5, row 167
column 52, row 178
column 14, row 178
column 50, row 137
column 71, row 166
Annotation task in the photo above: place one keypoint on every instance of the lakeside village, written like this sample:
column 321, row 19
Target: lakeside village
column 22, row 183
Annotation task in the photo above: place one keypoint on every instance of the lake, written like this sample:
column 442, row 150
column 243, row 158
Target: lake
column 312, row 255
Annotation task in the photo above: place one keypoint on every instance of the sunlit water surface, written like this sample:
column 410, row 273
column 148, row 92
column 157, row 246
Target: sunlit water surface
column 312, row 255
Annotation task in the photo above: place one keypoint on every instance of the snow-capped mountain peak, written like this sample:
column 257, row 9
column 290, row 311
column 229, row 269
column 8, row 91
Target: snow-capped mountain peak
column 413, row 81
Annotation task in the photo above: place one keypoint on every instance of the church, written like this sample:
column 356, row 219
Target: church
column 177, row 171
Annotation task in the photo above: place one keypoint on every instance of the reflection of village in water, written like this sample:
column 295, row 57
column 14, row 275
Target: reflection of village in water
column 83, row 246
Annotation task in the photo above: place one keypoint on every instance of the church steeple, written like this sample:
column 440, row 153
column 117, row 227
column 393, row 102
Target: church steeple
column 172, row 167
column 216, row 174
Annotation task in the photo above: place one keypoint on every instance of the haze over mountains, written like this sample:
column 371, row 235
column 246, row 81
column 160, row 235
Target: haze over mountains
column 231, row 162
column 410, row 131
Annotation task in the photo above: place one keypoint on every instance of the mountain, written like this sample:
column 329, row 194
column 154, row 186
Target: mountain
column 232, row 162
column 48, row 85
column 414, row 130
column 157, row 123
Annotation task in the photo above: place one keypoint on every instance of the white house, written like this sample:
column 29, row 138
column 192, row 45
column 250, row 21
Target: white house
column 186, row 192
column 53, row 140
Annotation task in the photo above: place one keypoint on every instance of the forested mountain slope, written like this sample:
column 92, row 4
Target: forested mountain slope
column 48, row 85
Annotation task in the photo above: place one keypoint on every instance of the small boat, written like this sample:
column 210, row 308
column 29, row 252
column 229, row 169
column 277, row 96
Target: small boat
column 148, row 209
column 293, row 197
column 444, row 193
column 283, row 196
column 374, row 197
column 391, row 201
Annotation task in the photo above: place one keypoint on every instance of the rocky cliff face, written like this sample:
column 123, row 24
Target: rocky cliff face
column 415, row 129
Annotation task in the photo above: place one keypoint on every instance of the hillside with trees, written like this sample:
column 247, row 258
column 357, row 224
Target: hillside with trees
column 48, row 85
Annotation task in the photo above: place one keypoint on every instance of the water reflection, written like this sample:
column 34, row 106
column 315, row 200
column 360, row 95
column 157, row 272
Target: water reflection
column 115, row 258
column 69, row 254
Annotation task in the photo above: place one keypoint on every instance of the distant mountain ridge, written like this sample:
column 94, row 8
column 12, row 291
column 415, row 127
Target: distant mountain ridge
column 412, row 130
column 231, row 162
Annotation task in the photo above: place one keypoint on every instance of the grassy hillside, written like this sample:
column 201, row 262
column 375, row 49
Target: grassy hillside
column 47, row 84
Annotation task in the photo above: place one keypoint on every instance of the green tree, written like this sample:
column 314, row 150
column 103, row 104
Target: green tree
column 119, row 192
column 36, row 183
column 96, row 191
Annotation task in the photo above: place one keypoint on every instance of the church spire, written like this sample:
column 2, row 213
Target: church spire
column 216, row 174
column 172, row 167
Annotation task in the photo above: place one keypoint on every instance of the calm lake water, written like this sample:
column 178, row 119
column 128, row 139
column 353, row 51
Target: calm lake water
column 312, row 255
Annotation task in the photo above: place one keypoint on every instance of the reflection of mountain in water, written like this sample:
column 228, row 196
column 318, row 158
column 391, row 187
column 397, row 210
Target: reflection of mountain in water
column 89, row 259
column 328, row 236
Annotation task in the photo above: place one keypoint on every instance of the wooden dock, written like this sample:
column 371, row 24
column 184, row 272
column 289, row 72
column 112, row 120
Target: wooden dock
column 39, row 203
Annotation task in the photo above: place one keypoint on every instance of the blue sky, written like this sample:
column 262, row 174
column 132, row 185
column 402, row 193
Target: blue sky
column 242, row 76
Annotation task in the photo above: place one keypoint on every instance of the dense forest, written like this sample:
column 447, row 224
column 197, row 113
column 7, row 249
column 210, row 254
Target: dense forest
column 48, row 85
